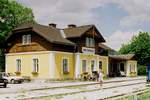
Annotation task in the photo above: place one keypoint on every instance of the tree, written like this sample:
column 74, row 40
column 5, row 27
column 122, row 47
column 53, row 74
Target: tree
column 139, row 45
column 12, row 14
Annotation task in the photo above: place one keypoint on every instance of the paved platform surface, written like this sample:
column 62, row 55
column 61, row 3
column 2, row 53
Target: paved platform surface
column 41, row 84
column 37, row 89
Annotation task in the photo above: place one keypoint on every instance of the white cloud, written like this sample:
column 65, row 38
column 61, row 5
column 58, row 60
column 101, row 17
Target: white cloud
column 78, row 11
column 63, row 12
column 119, row 37
column 137, row 10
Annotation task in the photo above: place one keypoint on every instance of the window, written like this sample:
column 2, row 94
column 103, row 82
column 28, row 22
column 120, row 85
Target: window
column 18, row 65
column 83, row 65
column 92, row 65
column 122, row 67
column 35, row 65
column 100, row 64
column 90, row 42
column 132, row 68
column 65, row 65
column 87, row 42
column 26, row 39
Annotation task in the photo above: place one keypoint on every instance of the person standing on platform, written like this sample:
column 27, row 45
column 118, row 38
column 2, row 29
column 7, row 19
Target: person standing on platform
column 101, row 78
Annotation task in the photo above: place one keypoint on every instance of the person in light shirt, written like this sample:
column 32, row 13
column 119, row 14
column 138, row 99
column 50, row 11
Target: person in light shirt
column 100, row 79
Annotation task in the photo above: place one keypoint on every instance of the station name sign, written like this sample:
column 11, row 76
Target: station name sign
column 88, row 50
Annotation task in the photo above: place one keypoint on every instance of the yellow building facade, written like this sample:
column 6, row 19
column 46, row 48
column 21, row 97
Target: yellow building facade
column 50, row 65
column 47, row 52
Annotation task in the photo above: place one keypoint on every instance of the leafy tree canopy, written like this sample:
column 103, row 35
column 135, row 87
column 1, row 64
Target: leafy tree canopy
column 12, row 14
column 139, row 45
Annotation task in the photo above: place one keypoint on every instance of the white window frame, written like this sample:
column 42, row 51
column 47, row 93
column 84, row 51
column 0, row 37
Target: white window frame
column 87, row 42
column 65, row 71
column 26, row 39
column 35, row 64
column 90, row 42
column 133, row 68
column 85, row 65
column 94, row 67
column 23, row 39
column 18, row 65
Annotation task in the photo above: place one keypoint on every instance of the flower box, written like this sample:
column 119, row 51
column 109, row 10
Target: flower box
column 66, row 72
column 35, row 73
column 17, row 72
column 133, row 73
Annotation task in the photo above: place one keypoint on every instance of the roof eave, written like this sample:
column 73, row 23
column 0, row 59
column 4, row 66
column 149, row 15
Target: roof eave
column 63, row 43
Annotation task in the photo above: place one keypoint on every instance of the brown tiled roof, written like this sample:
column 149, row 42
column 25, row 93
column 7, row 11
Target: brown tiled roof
column 51, row 34
column 80, row 30
column 76, row 31
column 123, row 57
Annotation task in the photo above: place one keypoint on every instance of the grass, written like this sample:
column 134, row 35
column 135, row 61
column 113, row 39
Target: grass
column 143, row 96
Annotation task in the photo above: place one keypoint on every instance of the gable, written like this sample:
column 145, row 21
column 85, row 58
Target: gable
column 86, row 30
column 94, row 33
column 14, row 43
column 53, row 35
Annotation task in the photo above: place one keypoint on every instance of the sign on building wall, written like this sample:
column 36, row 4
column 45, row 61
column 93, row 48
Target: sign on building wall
column 88, row 50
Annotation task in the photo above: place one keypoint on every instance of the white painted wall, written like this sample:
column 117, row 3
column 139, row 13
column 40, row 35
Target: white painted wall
column 52, row 65
column 77, row 65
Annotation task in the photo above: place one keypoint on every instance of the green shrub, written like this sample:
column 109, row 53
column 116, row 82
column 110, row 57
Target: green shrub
column 142, row 69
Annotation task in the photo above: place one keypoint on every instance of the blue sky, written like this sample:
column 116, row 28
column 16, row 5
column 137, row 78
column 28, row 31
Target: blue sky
column 117, row 20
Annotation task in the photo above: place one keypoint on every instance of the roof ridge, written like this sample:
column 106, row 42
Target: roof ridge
column 79, row 26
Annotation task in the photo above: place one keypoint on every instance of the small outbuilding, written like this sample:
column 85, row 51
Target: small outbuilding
column 122, row 65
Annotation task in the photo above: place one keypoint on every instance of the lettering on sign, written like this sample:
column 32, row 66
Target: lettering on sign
column 88, row 50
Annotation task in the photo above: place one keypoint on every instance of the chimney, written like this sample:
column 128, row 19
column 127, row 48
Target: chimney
column 52, row 25
column 71, row 26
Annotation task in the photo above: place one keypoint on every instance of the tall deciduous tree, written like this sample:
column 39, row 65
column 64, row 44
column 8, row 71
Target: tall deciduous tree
column 139, row 45
column 12, row 14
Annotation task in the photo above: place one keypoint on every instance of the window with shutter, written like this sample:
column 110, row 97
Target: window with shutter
column 90, row 42
column 26, row 39
column 92, row 65
column 35, row 65
column 18, row 65
column 65, row 65
column 83, row 65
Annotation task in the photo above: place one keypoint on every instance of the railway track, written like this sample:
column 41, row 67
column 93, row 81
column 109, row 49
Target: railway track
column 86, row 84
column 81, row 89
column 62, row 91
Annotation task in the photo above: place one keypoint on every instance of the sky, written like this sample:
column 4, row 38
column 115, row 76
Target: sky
column 117, row 20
